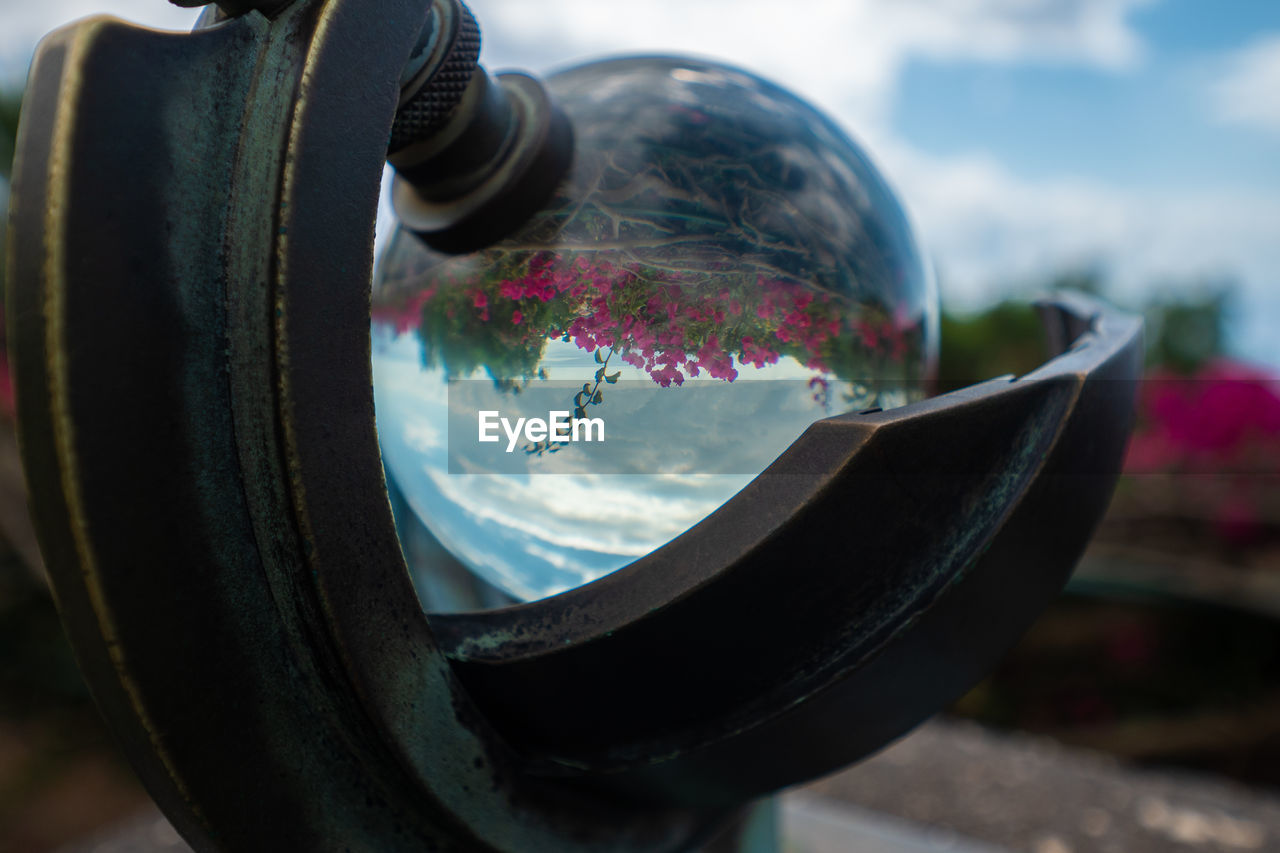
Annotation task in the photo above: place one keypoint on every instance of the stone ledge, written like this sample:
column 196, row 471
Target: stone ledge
column 955, row 787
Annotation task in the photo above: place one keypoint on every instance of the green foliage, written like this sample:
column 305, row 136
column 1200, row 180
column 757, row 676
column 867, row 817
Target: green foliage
column 10, row 106
column 1006, row 338
column 1183, row 332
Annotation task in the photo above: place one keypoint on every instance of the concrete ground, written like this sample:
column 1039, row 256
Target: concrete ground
column 956, row 787
column 1030, row 794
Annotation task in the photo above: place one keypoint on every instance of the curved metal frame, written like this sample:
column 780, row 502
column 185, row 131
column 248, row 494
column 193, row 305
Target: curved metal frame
column 190, row 267
column 872, row 574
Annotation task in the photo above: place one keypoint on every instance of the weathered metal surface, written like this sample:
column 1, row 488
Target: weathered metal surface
column 190, row 267
column 192, row 256
column 872, row 574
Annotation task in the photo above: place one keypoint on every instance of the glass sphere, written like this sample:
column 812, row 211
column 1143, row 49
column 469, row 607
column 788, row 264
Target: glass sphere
column 722, row 267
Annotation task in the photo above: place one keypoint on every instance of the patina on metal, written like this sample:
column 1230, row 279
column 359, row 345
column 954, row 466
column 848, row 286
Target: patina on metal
column 873, row 573
column 193, row 248
column 190, row 267
column 232, row 8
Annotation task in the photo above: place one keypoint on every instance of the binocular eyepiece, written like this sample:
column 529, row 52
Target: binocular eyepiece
column 475, row 155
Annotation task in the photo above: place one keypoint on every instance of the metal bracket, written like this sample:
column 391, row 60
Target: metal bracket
column 190, row 262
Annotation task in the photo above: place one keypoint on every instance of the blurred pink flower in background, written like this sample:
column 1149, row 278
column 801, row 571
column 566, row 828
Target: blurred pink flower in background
column 1217, row 433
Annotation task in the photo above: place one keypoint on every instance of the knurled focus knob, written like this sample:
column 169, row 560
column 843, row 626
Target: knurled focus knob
column 475, row 156
column 439, row 72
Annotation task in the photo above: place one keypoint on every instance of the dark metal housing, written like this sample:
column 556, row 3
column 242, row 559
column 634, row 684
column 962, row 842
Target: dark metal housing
column 189, row 306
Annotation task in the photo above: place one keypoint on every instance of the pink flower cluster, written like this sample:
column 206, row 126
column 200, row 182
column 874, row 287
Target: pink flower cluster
column 800, row 319
column 544, row 282
column 669, row 335
column 757, row 355
column 1208, row 420
column 674, row 328
column 1219, row 431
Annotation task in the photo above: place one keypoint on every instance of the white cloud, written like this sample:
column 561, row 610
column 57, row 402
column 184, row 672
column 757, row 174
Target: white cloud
column 1248, row 90
column 846, row 55
column 844, row 48
column 992, row 233
column 990, row 228
column 985, row 225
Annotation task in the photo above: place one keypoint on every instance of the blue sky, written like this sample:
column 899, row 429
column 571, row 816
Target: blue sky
column 1139, row 127
column 1026, row 136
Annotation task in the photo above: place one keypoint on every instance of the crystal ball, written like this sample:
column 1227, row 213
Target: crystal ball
column 722, row 267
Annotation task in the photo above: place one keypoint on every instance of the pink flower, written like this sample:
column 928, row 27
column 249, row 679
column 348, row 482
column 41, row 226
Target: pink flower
column 667, row 376
column 1213, row 415
column 870, row 339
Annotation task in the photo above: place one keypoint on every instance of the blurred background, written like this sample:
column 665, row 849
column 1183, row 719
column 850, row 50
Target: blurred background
column 1124, row 147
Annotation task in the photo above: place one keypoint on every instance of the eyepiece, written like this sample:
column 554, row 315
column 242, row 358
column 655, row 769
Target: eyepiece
column 475, row 156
